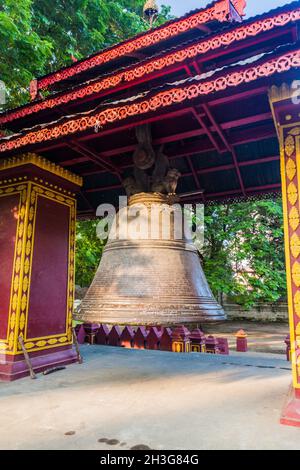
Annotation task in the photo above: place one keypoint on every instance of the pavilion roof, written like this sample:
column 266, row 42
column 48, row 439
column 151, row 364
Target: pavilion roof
column 211, row 114
column 255, row 67
column 164, row 62
column 204, row 19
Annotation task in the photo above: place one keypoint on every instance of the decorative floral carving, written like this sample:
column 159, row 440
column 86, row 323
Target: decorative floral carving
column 44, row 164
column 294, row 218
column 296, row 274
column 147, row 67
column 160, row 100
column 297, row 304
column 289, row 145
column 295, row 245
column 290, row 169
column 292, row 193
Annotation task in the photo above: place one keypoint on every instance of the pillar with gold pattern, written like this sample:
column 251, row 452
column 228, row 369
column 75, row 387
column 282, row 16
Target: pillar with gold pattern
column 37, row 242
column 285, row 106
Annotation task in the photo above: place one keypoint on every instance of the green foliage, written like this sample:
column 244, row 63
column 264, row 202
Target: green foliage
column 88, row 252
column 23, row 53
column 244, row 251
column 40, row 36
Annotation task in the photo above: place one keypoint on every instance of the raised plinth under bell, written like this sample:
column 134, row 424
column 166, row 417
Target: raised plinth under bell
column 151, row 280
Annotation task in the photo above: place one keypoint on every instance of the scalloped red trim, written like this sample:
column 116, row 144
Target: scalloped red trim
column 218, row 11
column 136, row 72
column 162, row 99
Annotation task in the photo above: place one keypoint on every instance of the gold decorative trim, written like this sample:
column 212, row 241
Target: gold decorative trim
column 42, row 163
column 290, row 175
column 294, row 218
column 47, row 342
column 7, row 345
column 277, row 94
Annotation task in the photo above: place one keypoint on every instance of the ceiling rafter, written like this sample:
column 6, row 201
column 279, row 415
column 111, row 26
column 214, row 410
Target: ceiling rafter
column 202, row 171
column 229, row 147
column 95, row 157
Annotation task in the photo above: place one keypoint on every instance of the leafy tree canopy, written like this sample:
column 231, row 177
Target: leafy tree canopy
column 244, row 251
column 40, row 36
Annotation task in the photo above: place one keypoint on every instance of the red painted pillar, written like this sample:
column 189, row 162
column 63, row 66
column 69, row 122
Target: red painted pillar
column 285, row 106
column 37, row 243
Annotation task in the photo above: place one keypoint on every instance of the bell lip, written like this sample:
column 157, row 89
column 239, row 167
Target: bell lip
column 160, row 321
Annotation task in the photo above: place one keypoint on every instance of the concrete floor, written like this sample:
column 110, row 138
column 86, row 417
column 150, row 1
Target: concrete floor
column 156, row 399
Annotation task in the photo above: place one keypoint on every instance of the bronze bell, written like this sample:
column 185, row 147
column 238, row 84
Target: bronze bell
column 153, row 279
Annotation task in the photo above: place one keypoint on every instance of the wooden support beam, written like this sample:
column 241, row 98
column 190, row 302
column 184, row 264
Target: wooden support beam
column 229, row 147
column 95, row 157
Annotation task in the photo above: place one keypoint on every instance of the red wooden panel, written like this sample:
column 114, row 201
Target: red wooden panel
column 8, row 227
column 49, row 278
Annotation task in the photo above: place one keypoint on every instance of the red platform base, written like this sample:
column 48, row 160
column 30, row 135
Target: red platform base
column 291, row 411
column 12, row 368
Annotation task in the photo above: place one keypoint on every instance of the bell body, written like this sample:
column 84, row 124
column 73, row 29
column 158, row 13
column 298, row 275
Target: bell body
column 148, row 275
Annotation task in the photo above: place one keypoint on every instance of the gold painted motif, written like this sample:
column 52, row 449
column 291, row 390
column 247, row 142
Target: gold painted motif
column 8, row 343
column 289, row 145
column 296, row 274
column 297, row 303
column 290, row 169
column 292, row 194
column 42, row 163
column 295, row 245
column 295, row 131
column 294, row 218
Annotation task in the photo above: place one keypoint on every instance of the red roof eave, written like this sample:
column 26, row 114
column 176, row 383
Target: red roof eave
column 218, row 11
column 185, row 92
column 148, row 67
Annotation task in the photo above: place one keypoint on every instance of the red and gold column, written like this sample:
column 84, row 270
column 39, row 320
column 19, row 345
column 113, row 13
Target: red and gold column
column 37, row 254
column 286, row 112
